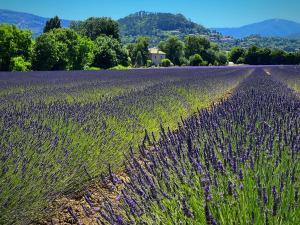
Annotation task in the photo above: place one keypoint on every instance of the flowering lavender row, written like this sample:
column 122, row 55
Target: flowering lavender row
column 59, row 130
column 236, row 164
column 289, row 75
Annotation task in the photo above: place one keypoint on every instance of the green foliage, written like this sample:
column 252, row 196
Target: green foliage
column 165, row 63
column 265, row 56
column 62, row 49
column 53, row 23
column 286, row 44
column 49, row 54
column 13, row 43
column 19, row 64
column 241, row 60
column 149, row 63
column 157, row 26
column 258, row 56
column 195, row 44
column 251, row 55
column 139, row 59
column 184, row 61
column 222, row 59
column 196, row 60
column 92, row 68
column 120, row 67
column 139, row 52
column 83, row 53
column 292, row 58
column 174, row 48
column 278, row 56
column 210, row 56
column 236, row 53
column 109, row 53
column 96, row 26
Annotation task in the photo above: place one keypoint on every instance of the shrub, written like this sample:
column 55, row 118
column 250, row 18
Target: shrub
column 196, row 60
column 19, row 64
column 92, row 68
column 165, row 63
column 120, row 67
column 149, row 63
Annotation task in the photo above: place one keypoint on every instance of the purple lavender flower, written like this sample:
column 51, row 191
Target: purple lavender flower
column 187, row 212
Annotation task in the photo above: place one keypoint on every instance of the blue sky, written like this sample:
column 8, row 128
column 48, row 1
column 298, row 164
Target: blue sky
column 211, row 13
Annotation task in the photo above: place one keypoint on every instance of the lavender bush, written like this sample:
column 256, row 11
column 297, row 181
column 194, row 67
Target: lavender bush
column 236, row 164
column 60, row 130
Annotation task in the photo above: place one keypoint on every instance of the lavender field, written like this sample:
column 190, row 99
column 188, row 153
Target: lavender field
column 193, row 145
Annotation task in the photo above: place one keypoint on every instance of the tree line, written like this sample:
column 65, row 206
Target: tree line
column 95, row 43
column 263, row 56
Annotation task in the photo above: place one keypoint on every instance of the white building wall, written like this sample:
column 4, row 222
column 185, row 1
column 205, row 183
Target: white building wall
column 156, row 58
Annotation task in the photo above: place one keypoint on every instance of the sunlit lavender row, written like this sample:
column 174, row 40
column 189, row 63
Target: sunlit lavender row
column 60, row 130
column 237, row 163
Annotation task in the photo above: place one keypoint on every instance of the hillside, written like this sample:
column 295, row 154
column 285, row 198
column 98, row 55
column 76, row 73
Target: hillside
column 286, row 44
column 157, row 26
column 267, row 28
column 27, row 21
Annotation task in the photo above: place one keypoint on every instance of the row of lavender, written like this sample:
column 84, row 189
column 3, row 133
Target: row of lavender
column 58, row 130
column 236, row 164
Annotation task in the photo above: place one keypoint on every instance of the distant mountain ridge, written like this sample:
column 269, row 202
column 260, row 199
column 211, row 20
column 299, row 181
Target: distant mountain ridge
column 27, row 21
column 158, row 26
column 267, row 28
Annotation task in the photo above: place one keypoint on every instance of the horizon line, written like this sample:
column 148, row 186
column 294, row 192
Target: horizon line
column 216, row 27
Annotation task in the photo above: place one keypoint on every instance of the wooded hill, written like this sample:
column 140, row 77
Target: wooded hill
column 158, row 26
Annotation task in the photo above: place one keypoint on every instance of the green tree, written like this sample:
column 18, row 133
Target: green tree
column 97, row 26
column 139, row 59
column 109, row 53
column 174, row 48
column 165, row 63
column 264, row 56
column 139, row 51
column 19, row 64
column 251, row 56
column 292, row 58
column 222, row 59
column 53, row 23
column 196, row 60
column 83, row 55
column 236, row 53
column 49, row 54
column 210, row 56
column 13, row 43
column 62, row 49
column 195, row 44
column 278, row 56
column 241, row 60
